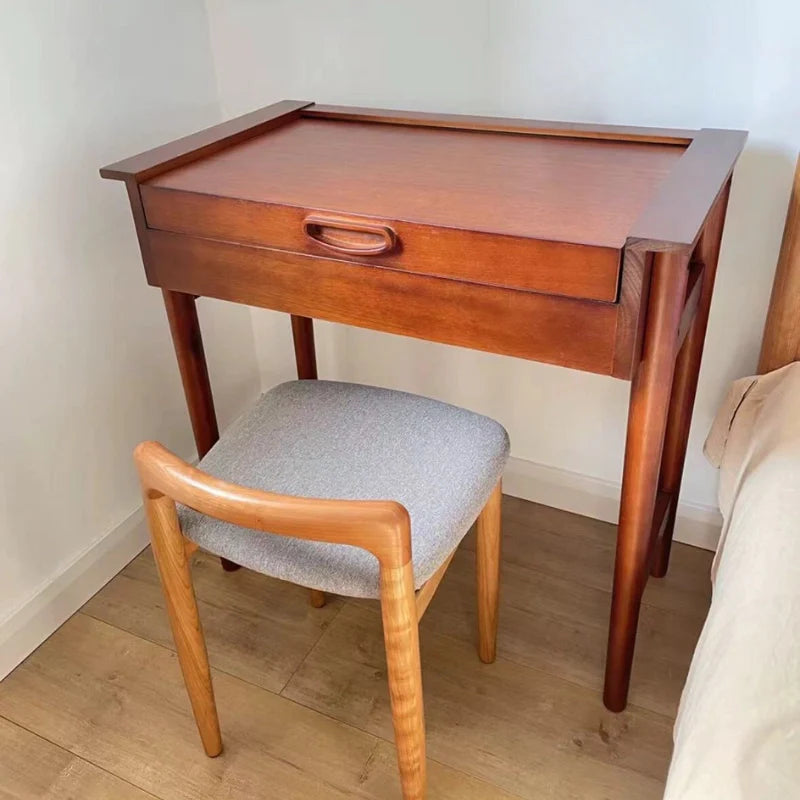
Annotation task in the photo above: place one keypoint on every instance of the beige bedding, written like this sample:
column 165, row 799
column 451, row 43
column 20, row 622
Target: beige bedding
column 737, row 736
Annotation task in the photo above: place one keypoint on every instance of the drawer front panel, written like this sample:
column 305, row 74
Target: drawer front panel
column 535, row 265
column 558, row 330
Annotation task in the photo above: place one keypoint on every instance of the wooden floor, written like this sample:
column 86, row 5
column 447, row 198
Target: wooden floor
column 98, row 712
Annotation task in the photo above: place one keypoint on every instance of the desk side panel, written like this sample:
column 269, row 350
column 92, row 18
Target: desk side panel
column 573, row 333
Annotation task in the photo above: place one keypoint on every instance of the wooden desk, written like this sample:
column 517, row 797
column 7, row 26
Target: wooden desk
column 587, row 246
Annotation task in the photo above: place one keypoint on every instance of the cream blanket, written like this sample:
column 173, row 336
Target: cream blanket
column 737, row 735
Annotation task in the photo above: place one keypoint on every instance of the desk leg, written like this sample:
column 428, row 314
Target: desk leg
column 647, row 420
column 684, row 387
column 305, row 355
column 188, row 342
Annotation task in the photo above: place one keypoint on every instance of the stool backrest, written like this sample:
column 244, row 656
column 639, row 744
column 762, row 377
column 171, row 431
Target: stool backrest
column 380, row 526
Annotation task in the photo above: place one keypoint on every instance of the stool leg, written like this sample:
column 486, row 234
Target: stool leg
column 488, row 569
column 401, row 635
column 176, row 580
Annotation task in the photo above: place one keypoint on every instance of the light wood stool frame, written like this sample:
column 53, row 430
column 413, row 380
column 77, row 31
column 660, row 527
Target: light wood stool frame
column 380, row 526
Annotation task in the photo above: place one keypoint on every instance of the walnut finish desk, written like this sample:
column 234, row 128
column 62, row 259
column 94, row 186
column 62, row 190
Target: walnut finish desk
column 586, row 246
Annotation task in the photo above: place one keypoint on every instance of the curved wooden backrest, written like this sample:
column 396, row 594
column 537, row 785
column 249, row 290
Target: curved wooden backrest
column 380, row 526
column 781, row 342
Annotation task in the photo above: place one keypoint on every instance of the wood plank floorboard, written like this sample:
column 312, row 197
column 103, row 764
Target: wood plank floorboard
column 99, row 710
column 561, row 626
column 256, row 628
column 528, row 731
column 33, row 767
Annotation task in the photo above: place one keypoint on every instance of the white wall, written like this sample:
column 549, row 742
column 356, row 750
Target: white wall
column 86, row 364
column 721, row 63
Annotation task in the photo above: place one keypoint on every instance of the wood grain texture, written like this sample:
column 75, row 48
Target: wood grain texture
column 781, row 342
column 176, row 580
column 256, row 628
column 694, row 292
column 554, row 615
column 529, row 127
column 188, row 342
column 120, row 701
column 487, row 562
column 528, row 732
column 662, row 510
column 581, row 552
column 563, row 268
column 133, row 191
column 203, row 143
column 632, row 312
column 403, row 671
column 379, row 777
column 349, row 237
column 428, row 589
column 305, row 352
column 567, row 190
column 31, row 768
column 677, row 212
column 546, row 214
column 687, row 370
column 650, row 396
column 565, row 331
column 380, row 526
column 672, row 221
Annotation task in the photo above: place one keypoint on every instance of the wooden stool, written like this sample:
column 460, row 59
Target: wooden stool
column 312, row 486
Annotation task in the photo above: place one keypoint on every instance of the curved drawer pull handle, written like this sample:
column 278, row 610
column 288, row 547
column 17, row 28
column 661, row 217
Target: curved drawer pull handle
column 349, row 237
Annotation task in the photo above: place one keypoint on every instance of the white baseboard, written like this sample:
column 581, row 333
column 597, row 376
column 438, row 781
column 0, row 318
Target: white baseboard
column 697, row 525
column 54, row 602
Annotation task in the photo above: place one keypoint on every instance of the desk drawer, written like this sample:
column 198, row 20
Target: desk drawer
column 559, row 330
column 548, row 267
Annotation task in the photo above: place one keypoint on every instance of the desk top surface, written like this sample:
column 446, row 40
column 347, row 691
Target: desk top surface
column 587, row 191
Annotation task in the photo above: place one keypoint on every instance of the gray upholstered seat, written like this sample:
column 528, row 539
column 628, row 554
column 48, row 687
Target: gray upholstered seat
column 340, row 440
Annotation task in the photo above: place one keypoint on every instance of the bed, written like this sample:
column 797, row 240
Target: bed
column 737, row 735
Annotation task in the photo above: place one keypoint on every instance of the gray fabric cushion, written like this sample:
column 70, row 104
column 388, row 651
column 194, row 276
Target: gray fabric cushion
column 341, row 440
